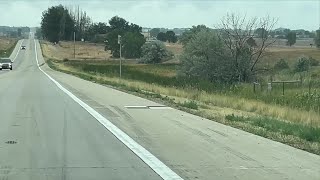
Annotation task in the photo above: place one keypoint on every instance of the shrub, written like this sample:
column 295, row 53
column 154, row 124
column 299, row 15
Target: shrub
column 302, row 64
column 154, row 52
column 206, row 57
column 189, row 104
column 313, row 62
column 281, row 65
column 65, row 60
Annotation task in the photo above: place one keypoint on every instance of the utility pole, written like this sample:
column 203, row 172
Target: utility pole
column 74, row 45
column 119, row 42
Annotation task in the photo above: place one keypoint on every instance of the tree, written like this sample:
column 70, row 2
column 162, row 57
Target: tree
column 100, row 28
column 291, row 38
column 312, row 35
column 317, row 38
column 96, row 29
column 19, row 32
column 272, row 34
column 261, row 32
column 251, row 42
column 206, row 57
column 132, row 42
column 118, row 23
column 82, row 22
column 286, row 32
column 162, row 37
column 38, row 33
column 303, row 64
column 235, row 31
column 131, row 38
column 188, row 35
column 307, row 33
column 154, row 52
column 57, row 24
column 13, row 34
column 154, row 32
column 134, row 28
column 112, row 42
column 171, row 37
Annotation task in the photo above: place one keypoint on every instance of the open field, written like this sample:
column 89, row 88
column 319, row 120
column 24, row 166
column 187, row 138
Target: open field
column 236, row 106
column 291, row 54
column 83, row 51
column 6, row 46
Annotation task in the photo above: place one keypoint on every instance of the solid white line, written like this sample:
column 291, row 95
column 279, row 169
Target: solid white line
column 154, row 163
column 160, row 108
column 18, row 51
column 146, row 107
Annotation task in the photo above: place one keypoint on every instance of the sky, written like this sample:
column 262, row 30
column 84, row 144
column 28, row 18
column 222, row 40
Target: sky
column 292, row 14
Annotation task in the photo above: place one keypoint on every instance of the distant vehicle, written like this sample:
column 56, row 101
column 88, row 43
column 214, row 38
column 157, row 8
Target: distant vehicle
column 23, row 47
column 5, row 64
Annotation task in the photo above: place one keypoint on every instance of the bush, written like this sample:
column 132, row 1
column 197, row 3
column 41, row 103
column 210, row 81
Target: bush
column 313, row 62
column 281, row 65
column 65, row 60
column 189, row 104
column 205, row 57
column 154, row 52
column 302, row 64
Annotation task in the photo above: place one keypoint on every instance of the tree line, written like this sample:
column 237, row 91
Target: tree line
column 60, row 23
column 230, row 53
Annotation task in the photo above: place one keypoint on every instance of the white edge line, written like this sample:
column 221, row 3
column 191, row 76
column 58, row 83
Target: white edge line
column 18, row 51
column 136, row 106
column 160, row 108
column 154, row 163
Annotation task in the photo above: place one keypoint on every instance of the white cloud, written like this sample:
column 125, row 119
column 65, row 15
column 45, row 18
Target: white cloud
column 169, row 13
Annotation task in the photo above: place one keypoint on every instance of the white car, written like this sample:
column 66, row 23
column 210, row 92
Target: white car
column 5, row 64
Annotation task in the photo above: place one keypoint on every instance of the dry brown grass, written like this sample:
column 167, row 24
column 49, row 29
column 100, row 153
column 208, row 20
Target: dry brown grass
column 175, row 48
column 273, row 54
column 84, row 51
column 290, row 54
column 6, row 43
column 216, row 105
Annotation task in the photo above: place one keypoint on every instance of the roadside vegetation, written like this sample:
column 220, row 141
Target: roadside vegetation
column 220, row 74
column 7, row 45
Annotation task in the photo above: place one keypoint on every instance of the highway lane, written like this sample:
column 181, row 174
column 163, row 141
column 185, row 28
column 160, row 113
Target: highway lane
column 44, row 134
column 14, row 55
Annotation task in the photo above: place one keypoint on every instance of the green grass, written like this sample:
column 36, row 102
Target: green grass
column 189, row 104
column 307, row 133
column 161, row 74
column 296, row 95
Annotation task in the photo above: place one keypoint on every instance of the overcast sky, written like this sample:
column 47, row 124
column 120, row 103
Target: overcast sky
column 294, row 14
